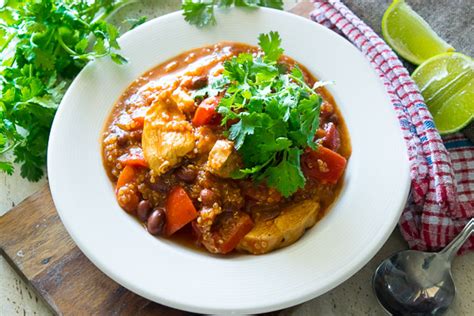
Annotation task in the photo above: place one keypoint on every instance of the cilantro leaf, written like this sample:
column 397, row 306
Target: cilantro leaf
column 270, row 44
column 275, row 4
column 214, row 87
column 201, row 12
column 246, row 126
column 6, row 167
column 286, row 177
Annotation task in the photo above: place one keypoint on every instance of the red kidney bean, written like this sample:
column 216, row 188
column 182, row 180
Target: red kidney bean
column 143, row 210
column 156, row 221
column 208, row 197
column 122, row 139
column 136, row 135
column 160, row 184
column 332, row 139
column 186, row 174
column 334, row 118
column 198, row 82
column 327, row 109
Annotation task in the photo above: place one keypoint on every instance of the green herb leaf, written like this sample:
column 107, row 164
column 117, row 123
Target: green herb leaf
column 214, row 87
column 286, row 176
column 118, row 59
column 275, row 115
column 6, row 167
column 276, row 4
column 270, row 44
column 136, row 22
column 201, row 12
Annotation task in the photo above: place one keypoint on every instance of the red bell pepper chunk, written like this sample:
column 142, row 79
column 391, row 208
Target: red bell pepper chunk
column 179, row 210
column 206, row 112
column 323, row 165
column 134, row 158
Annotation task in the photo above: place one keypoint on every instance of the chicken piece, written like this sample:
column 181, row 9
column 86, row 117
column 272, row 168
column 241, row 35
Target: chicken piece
column 167, row 136
column 183, row 100
column 281, row 231
column 205, row 139
column 223, row 159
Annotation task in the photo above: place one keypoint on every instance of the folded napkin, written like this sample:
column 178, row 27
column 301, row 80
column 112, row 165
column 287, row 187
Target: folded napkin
column 441, row 171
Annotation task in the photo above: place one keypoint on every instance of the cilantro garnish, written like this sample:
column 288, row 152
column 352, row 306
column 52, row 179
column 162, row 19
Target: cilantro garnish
column 201, row 12
column 43, row 46
column 276, row 115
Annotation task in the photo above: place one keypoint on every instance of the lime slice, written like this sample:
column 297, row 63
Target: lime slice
column 409, row 35
column 446, row 82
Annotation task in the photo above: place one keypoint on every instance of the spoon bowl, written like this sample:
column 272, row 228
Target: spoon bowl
column 413, row 282
column 418, row 283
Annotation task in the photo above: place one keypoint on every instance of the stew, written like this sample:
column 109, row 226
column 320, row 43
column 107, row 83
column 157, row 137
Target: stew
column 168, row 149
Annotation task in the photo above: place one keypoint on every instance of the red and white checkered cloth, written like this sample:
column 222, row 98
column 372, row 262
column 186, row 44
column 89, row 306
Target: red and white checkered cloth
column 442, row 173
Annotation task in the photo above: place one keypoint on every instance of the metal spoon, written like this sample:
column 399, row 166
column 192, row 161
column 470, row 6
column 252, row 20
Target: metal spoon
column 419, row 283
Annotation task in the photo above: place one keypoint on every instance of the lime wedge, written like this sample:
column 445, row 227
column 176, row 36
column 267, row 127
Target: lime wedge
column 446, row 82
column 409, row 35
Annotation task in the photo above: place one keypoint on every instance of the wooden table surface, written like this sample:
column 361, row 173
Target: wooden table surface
column 451, row 19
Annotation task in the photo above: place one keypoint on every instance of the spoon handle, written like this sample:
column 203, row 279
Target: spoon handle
column 450, row 250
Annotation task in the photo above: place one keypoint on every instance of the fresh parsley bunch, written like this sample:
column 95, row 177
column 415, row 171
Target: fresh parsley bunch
column 275, row 115
column 201, row 12
column 43, row 46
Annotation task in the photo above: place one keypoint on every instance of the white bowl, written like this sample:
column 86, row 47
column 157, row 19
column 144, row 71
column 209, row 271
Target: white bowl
column 375, row 186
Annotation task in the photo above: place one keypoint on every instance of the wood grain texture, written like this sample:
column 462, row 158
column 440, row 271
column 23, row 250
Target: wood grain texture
column 35, row 242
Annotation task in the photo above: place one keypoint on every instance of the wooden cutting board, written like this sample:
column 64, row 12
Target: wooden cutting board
column 36, row 244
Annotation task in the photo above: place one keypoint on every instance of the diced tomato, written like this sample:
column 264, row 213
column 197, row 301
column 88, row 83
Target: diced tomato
column 323, row 164
column 127, row 195
column 206, row 113
column 331, row 140
column 231, row 228
column 179, row 210
column 134, row 158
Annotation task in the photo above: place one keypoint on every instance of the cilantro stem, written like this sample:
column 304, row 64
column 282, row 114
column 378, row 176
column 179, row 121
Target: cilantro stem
column 13, row 61
column 7, row 149
column 9, row 39
column 50, row 38
column 304, row 84
column 64, row 46
column 77, row 55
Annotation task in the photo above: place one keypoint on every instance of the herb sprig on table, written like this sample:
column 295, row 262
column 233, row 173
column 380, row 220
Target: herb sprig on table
column 43, row 46
column 201, row 12
column 275, row 114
